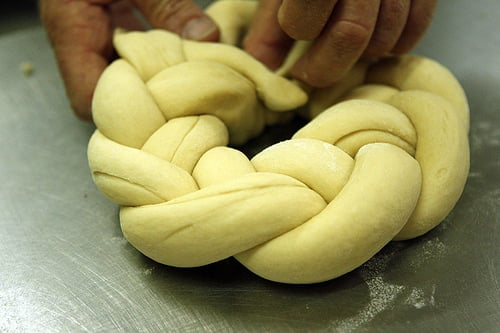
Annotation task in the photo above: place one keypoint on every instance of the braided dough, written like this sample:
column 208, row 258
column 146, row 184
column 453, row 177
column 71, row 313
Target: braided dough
column 384, row 157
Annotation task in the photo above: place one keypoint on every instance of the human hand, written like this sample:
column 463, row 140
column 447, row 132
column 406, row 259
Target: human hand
column 342, row 31
column 80, row 32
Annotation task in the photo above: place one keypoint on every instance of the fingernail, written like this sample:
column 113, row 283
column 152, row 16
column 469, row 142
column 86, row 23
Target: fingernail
column 198, row 28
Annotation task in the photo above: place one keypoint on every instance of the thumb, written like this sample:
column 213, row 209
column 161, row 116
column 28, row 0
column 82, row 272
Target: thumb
column 179, row 16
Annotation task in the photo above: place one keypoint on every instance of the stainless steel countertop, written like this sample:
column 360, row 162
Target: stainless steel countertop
column 65, row 266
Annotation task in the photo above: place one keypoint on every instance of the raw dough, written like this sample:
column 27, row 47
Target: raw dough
column 384, row 157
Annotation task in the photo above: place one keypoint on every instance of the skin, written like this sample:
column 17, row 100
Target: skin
column 342, row 31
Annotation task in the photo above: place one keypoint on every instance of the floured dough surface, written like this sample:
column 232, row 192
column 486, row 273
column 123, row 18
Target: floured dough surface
column 385, row 155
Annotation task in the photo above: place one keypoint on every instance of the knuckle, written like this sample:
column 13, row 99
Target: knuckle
column 300, row 31
column 351, row 33
column 396, row 7
column 421, row 16
column 168, row 13
column 379, row 45
column 300, row 22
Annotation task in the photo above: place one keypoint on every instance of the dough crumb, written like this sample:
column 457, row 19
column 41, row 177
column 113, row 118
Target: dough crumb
column 27, row 68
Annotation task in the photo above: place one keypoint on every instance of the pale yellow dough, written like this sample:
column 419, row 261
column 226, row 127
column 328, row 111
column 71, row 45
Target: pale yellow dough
column 385, row 155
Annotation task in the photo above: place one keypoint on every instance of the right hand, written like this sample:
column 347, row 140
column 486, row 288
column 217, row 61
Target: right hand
column 341, row 31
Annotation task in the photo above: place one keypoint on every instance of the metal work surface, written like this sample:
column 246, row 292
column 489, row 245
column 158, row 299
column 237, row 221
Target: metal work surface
column 65, row 266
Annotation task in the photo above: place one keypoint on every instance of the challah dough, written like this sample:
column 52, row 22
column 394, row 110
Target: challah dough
column 385, row 155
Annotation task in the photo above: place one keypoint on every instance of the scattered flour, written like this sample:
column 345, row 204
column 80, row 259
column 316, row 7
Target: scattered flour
column 485, row 134
column 119, row 239
column 475, row 174
column 382, row 294
column 432, row 249
column 419, row 298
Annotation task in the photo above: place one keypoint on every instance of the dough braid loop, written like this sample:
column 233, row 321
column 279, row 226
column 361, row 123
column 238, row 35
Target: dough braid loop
column 385, row 155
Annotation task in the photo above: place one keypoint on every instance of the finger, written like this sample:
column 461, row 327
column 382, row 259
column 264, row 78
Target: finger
column 123, row 15
column 419, row 19
column 81, row 70
column 391, row 21
column 265, row 40
column 304, row 20
column 340, row 44
column 80, row 33
column 180, row 16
